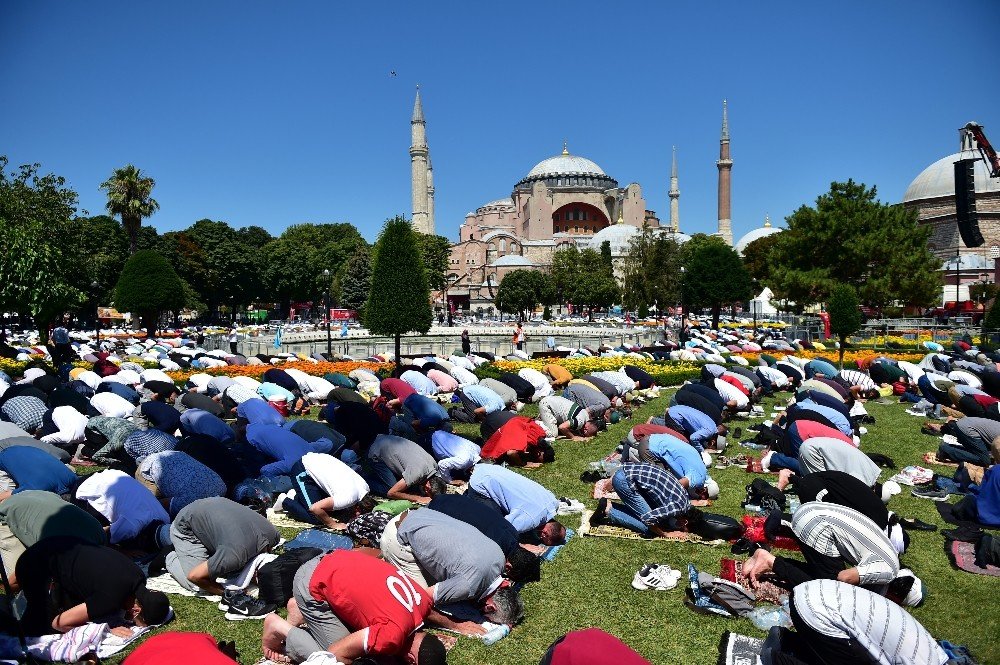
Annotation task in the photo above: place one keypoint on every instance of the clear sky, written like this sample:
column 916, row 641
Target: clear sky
column 273, row 113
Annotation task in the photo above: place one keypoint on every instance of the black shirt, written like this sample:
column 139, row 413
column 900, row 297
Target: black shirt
column 203, row 402
column 644, row 378
column 161, row 416
column 525, row 391
column 358, row 423
column 216, row 457
column 488, row 521
column 494, row 421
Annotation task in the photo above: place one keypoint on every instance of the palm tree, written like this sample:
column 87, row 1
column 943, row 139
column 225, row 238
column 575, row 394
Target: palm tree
column 128, row 197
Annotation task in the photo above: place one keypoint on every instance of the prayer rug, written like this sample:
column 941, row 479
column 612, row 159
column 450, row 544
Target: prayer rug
column 963, row 556
column 932, row 458
column 736, row 649
column 286, row 521
column 604, row 490
column 553, row 550
column 610, row 531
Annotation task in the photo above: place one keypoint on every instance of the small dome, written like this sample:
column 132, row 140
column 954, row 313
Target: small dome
column 938, row 179
column 499, row 203
column 967, row 262
column 678, row 237
column 512, row 261
column 619, row 235
column 756, row 234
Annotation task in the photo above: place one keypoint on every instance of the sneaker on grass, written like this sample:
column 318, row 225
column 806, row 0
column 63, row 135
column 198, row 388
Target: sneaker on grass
column 240, row 606
column 930, row 493
column 655, row 577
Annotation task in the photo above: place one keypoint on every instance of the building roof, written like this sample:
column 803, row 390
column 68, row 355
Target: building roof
column 938, row 179
column 565, row 164
column 756, row 234
column 512, row 260
column 498, row 203
column 619, row 235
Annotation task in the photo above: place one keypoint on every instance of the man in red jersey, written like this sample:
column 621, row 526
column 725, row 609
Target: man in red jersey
column 590, row 647
column 355, row 605
column 169, row 648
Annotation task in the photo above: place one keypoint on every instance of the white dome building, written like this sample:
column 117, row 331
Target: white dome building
column 756, row 234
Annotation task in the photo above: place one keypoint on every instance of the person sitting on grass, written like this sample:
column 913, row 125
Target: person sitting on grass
column 353, row 605
column 397, row 468
column 562, row 417
column 94, row 583
column 654, row 503
column 528, row 506
column 215, row 538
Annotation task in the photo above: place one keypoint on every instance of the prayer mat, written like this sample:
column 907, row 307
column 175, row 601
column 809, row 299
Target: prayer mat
column 932, row 458
column 947, row 512
column 321, row 539
column 456, row 489
column 604, row 490
column 88, row 638
column 610, row 531
column 736, row 649
column 286, row 521
column 167, row 584
column 963, row 556
column 550, row 553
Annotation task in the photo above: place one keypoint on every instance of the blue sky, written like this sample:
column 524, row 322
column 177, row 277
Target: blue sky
column 274, row 113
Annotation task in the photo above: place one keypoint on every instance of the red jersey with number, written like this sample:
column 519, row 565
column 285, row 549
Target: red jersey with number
column 366, row 592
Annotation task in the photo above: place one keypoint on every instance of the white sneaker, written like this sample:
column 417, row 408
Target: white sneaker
column 656, row 577
column 277, row 506
column 765, row 461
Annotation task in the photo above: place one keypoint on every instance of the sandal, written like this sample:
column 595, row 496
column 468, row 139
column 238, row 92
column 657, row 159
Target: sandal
column 722, row 462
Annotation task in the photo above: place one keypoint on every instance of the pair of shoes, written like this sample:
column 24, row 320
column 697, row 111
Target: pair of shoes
column 656, row 577
column 744, row 546
column 722, row 462
column 930, row 493
column 591, row 476
column 913, row 524
column 239, row 606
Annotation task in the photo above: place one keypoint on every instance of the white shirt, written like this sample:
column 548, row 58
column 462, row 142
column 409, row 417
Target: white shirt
column 538, row 381
column 776, row 377
column 462, row 361
column 91, row 378
column 111, row 405
column 71, row 423
column 911, row 370
column 453, row 452
column 127, row 376
column 337, row 479
column 464, row 376
column 154, row 375
column 730, row 393
column 885, row 630
column 125, row 502
column 247, row 381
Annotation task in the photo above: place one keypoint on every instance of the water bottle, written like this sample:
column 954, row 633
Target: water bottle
column 496, row 634
column 766, row 617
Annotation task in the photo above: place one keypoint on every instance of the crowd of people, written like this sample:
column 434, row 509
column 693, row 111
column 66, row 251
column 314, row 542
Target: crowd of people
column 446, row 533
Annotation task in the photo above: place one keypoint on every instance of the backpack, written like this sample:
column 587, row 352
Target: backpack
column 762, row 493
column 275, row 578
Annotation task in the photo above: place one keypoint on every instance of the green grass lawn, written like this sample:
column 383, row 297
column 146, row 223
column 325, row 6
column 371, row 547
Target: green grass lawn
column 589, row 582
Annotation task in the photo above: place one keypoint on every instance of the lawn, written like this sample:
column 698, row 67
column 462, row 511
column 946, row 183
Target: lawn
column 589, row 582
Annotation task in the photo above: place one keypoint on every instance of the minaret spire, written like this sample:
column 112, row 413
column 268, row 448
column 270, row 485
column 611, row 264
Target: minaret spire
column 725, row 166
column 421, row 183
column 675, row 195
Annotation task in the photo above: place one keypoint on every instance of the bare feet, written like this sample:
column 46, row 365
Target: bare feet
column 272, row 641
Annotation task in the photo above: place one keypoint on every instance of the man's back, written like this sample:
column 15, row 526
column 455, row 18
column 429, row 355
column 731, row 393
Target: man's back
column 484, row 518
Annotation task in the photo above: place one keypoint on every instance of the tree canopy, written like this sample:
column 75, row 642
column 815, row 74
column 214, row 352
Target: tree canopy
column 845, row 314
column 356, row 280
column 399, row 301
column 149, row 286
column 521, row 291
column 583, row 278
column 434, row 252
column 714, row 275
column 758, row 259
column 849, row 237
column 129, row 198
column 651, row 272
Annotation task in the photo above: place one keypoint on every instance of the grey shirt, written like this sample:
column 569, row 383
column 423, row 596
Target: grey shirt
column 594, row 401
column 404, row 458
column 507, row 394
column 982, row 428
column 231, row 533
column 456, row 557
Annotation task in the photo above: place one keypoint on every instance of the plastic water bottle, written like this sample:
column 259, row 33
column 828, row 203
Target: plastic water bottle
column 496, row 634
column 766, row 617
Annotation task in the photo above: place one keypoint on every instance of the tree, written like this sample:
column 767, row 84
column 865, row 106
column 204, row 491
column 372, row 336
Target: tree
column 651, row 272
column 845, row 315
column 39, row 259
column 435, row 251
column 400, row 300
column 758, row 258
column 606, row 254
column 714, row 275
column 850, row 237
column 149, row 286
column 583, row 278
column 991, row 322
column 290, row 271
column 521, row 291
column 356, row 280
column 129, row 198
column 565, row 271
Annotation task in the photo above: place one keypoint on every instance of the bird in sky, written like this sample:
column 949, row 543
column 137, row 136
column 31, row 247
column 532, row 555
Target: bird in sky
column 392, row 74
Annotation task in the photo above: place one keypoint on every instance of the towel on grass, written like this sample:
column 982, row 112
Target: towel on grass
column 89, row 638
column 550, row 553
column 736, row 649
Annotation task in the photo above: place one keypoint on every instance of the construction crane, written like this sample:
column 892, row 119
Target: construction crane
column 985, row 149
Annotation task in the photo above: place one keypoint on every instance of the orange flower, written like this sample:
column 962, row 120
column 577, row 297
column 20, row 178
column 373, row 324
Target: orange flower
column 257, row 371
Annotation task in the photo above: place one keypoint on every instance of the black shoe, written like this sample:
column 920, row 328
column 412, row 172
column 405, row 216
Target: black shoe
column 965, row 534
column 590, row 476
column 240, row 606
column 771, row 524
column 916, row 525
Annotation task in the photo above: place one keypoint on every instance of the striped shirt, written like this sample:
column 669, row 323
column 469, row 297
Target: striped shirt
column 844, row 533
column 856, row 378
column 145, row 442
column 889, row 634
column 240, row 393
column 665, row 495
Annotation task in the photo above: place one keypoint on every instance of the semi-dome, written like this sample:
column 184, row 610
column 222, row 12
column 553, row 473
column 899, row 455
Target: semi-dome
column 756, row 234
column 512, row 261
column 619, row 235
column 938, row 179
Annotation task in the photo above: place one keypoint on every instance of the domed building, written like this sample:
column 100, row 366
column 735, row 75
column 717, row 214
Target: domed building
column 756, row 234
column 932, row 195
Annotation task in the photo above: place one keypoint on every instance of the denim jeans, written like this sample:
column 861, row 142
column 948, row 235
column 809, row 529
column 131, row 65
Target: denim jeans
column 633, row 505
column 379, row 477
column 779, row 461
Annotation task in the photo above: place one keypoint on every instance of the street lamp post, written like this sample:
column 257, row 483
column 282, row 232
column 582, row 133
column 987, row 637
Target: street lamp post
column 95, row 289
column 326, row 302
column 681, row 335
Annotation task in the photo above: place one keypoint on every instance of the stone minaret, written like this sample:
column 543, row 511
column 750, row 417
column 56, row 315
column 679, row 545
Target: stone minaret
column 725, row 165
column 419, row 168
column 430, row 195
column 675, row 195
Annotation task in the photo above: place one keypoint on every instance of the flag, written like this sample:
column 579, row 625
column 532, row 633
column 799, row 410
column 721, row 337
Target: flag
column 277, row 338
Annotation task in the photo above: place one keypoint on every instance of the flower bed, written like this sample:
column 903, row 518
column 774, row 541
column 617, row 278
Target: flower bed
column 666, row 372
column 256, row 371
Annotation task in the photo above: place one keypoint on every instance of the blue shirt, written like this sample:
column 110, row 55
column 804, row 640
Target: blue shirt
column 419, row 382
column 161, row 415
column 814, row 367
column 699, row 426
column 35, row 469
column 834, row 416
column 527, row 504
column 484, row 397
column 273, row 390
column 119, row 389
column 258, row 412
column 681, row 457
column 197, row 421
column 282, row 445
column 426, row 410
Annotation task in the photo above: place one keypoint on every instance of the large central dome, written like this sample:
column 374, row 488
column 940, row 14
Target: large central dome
column 568, row 171
column 565, row 164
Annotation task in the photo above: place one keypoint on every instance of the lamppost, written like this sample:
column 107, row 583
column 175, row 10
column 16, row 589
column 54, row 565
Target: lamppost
column 95, row 289
column 682, row 335
column 326, row 302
